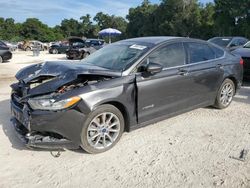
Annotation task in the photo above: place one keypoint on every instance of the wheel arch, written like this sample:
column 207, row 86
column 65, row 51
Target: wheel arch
column 124, row 112
column 231, row 77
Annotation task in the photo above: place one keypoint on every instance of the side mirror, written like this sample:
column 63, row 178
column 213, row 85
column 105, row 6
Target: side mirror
column 153, row 68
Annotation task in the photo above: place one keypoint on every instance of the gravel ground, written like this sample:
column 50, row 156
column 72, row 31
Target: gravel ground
column 21, row 59
column 190, row 150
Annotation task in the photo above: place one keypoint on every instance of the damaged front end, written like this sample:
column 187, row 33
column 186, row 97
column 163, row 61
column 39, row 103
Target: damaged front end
column 43, row 140
column 47, row 110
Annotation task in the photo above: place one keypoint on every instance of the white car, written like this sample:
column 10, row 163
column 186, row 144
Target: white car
column 12, row 46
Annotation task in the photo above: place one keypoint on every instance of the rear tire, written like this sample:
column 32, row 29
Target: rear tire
column 86, row 54
column 225, row 94
column 102, row 129
column 28, row 49
column 54, row 51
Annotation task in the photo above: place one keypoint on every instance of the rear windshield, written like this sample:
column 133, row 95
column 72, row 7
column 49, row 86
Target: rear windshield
column 223, row 42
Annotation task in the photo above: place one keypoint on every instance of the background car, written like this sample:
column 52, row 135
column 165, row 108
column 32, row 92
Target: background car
column 244, row 52
column 81, row 48
column 230, row 43
column 58, row 48
column 12, row 46
column 5, row 53
column 121, row 87
column 95, row 43
column 31, row 45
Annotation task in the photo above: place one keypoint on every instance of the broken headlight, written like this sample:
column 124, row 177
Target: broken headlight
column 52, row 104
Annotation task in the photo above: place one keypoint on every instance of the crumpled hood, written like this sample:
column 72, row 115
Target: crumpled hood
column 62, row 72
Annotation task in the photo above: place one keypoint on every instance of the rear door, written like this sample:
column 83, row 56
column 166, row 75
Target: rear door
column 205, row 64
column 168, row 91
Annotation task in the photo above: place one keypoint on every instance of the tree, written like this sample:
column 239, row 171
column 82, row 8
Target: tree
column 232, row 17
column 106, row 21
column 70, row 27
column 141, row 20
column 186, row 18
column 207, row 29
column 33, row 29
column 8, row 28
column 179, row 18
column 87, row 27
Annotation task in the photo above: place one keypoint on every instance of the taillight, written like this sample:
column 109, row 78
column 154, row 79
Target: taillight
column 241, row 61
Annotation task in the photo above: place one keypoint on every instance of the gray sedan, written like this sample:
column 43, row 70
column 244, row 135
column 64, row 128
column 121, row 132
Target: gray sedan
column 121, row 87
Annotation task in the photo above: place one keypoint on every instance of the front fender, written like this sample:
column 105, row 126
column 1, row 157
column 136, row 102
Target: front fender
column 121, row 90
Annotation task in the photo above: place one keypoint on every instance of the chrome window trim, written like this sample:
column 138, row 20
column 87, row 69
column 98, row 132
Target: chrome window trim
column 200, row 62
column 131, row 70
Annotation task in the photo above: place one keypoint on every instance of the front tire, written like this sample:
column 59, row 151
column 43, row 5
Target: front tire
column 102, row 129
column 225, row 94
column 54, row 51
column 1, row 59
column 69, row 58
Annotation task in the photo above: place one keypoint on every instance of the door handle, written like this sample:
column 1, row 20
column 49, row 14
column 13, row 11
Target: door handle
column 219, row 66
column 183, row 72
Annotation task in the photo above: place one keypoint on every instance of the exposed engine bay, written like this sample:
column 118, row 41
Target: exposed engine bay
column 42, row 96
column 82, row 81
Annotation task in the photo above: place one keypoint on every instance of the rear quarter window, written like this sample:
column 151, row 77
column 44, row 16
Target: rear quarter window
column 218, row 52
column 199, row 52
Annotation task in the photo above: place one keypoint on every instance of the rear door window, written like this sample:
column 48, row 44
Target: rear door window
column 242, row 42
column 218, row 52
column 235, row 42
column 199, row 52
column 238, row 42
column 171, row 55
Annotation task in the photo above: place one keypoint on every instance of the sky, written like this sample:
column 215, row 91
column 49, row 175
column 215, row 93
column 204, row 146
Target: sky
column 52, row 12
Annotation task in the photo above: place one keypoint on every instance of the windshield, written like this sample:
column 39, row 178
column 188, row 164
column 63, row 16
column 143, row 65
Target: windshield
column 76, row 44
column 2, row 44
column 117, row 56
column 247, row 45
column 223, row 42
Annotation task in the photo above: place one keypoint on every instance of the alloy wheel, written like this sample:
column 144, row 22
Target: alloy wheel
column 86, row 54
column 103, row 130
column 227, row 93
column 54, row 51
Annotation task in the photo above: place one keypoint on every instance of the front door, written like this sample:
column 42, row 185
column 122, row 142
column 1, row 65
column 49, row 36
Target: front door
column 168, row 91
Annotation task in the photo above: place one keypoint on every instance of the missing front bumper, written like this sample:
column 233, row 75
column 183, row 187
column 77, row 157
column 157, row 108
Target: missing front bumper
column 36, row 140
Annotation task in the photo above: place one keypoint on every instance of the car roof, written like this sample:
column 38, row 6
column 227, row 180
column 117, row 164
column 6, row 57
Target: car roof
column 152, row 40
column 90, row 39
column 228, row 37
